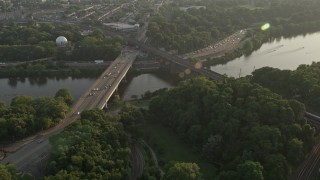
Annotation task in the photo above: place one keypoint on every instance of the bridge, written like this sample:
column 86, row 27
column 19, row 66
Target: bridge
column 172, row 58
column 28, row 153
column 99, row 93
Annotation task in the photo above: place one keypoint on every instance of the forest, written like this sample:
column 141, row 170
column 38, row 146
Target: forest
column 26, row 116
column 98, row 146
column 93, row 147
column 193, row 29
column 47, row 69
column 243, row 129
column 35, row 41
column 302, row 84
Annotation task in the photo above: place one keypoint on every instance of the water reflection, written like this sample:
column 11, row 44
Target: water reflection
column 142, row 83
column 37, row 81
column 48, row 86
column 282, row 53
column 42, row 86
column 13, row 82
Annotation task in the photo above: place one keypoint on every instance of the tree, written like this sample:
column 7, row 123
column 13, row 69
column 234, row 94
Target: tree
column 232, row 121
column 295, row 151
column 92, row 142
column 21, row 100
column 65, row 95
column 7, row 172
column 276, row 167
column 250, row 170
column 183, row 171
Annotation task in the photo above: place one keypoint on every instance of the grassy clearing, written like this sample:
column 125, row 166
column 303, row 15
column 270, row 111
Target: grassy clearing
column 141, row 103
column 174, row 150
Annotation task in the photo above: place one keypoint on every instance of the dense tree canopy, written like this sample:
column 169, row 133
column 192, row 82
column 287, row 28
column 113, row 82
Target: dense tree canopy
column 24, row 43
column 26, row 116
column 182, row 171
column 47, row 69
column 94, row 147
column 245, row 130
column 195, row 28
column 7, row 172
column 65, row 95
column 302, row 84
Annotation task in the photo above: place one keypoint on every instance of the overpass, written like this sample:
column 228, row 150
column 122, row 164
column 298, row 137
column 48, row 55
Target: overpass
column 177, row 60
column 172, row 58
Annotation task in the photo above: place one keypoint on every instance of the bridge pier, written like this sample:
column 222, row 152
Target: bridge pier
column 105, row 106
column 124, row 79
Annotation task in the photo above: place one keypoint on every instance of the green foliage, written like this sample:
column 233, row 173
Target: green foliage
column 7, row 172
column 196, row 28
column 33, row 42
column 26, row 116
column 302, row 84
column 250, row 170
column 94, row 147
column 132, row 119
column 238, row 126
column 65, row 95
column 97, row 46
column 47, row 68
column 26, row 52
column 182, row 171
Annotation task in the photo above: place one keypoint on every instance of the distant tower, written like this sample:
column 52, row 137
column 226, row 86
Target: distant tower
column 61, row 41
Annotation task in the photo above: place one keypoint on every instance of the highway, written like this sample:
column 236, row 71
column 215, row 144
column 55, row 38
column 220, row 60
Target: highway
column 26, row 155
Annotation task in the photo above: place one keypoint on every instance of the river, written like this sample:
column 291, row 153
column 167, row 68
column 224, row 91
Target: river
column 36, row 87
column 282, row 53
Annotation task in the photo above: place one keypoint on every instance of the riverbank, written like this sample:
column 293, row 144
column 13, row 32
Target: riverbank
column 254, row 40
column 49, row 69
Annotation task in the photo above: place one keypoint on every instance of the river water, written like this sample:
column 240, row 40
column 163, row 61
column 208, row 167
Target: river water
column 142, row 83
column 37, row 87
column 282, row 53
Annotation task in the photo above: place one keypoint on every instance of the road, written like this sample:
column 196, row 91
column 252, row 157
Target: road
column 218, row 49
column 27, row 154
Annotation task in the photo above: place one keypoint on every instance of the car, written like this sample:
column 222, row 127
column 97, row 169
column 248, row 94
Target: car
column 78, row 112
column 40, row 141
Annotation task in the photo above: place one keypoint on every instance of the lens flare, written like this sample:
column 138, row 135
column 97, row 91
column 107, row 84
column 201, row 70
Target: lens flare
column 265, row 26
column 187, row 71
column 181, row 74
column 198, row 65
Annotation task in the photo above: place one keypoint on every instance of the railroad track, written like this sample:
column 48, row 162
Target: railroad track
column 306, row 169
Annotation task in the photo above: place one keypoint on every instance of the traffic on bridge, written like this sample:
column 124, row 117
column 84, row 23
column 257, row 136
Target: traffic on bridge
column 27, row 154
